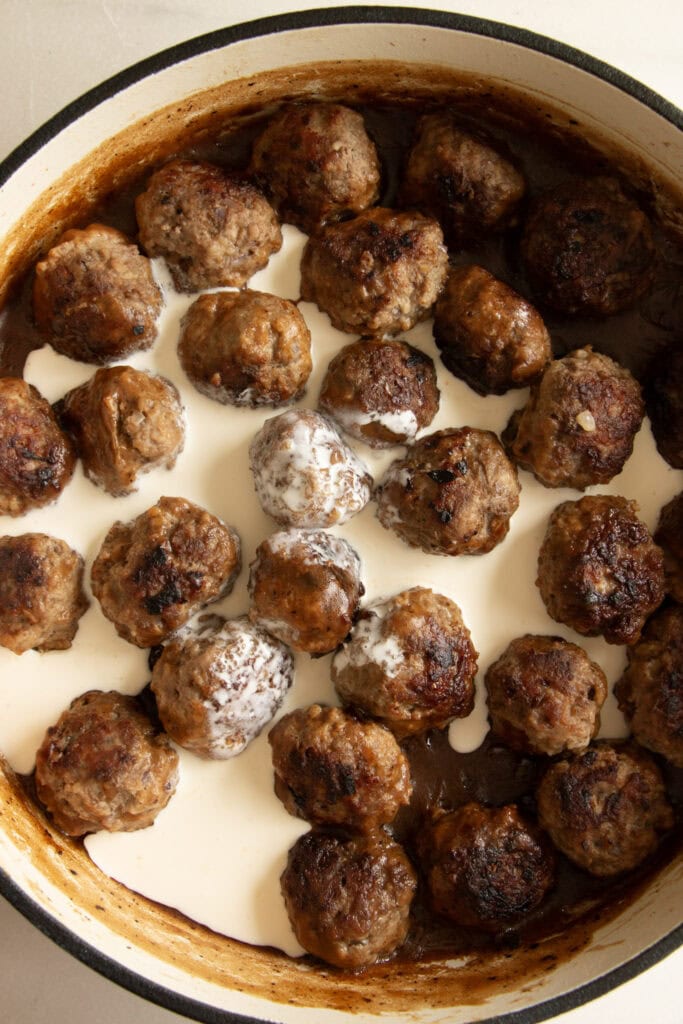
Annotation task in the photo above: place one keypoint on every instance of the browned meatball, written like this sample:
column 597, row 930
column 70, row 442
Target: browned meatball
column 669, row 536
column 348, row 897
column 664, row 399
column 125, row 422
column 246, row 348
column 453, row 493
column 587, row 249
column 41, row 593
column 606, row 808
column 486, row 867
column 105, row 766
column 211, row 228
column 650, row 692
column 487, row 334
column 460, row 179
column 545, row 695
column 333, row 769
column 37, row 458
column 216, row 689
column 316, row 163
column 379, row 273
column 94, row 296
column 578, row 427
column 305, row 588
column 304, row 473
column 599, row 571
column 153, row 573
column 410, row 662
column 380, row 391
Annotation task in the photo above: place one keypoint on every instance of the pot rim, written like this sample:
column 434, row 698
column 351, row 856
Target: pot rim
column 36, row 914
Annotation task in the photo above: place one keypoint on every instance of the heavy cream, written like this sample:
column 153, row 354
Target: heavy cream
column 216, row 852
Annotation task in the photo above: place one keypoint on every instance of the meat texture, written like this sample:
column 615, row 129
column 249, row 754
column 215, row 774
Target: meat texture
column 105, row 766
column 453, row 493
column 41, row 593
column 153, row 573
column 664, row 401
column 409, row 662
column 380, row 391
column 669, row 536
column 124, row 422
column 316, row 163
column 94, row 296
column 305, row 588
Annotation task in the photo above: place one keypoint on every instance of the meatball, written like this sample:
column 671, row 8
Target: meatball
column 453, row 493
column 587, row 249
column 578, row 427
column 125, row 422
column 37, row 459
column 488, row 335
column 409, row 662
column 470, row 187
column 348, row 897
column 246, row 348
column 304, row 473
column 545, row 695
column 669, row 536
column 316, row 163
column 650, row 692
column 664, row 400
column 153, row 573
column 333, row 769
column 211, row 228
column 104, row 765
column 379, row 273
column 41, row 593
column 216, row 689
column 485, row 867
column 305, row 588
column 94, row 296
column 606, row 808
column 599, row 571
column 380, row 391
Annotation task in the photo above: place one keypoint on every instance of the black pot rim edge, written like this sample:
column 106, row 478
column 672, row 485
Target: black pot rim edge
column 32, row 911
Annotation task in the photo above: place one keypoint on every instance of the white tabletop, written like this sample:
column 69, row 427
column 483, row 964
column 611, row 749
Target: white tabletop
column 51, row 51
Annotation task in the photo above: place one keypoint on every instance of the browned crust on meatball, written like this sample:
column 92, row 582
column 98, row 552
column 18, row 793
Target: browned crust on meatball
column 94, row 296
column 599, row 571
column 380, row 391
column 316, row 163
column 486, row 867
column 37, row 459
column 409, row 662
column 664, row 399
column 105, row 766
column 153, row 573
column 41, row 593
column 305, row 588
column 333, row 769
column 606, row 808
column 488, row 335
column 580, row 422
column 669, row 536
column 246, row 348
column 211, row 227
column 588, row 249
column 125, row 422
column 348, row 897
column 379, row 273
column 545, row 695
column 452, row 494
column 650, row 692
column 461, row 179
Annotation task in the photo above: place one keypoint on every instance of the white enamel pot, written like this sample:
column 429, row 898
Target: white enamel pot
column 92, row 145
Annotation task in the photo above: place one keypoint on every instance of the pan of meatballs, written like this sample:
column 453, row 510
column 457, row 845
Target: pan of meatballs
column 341, row 526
